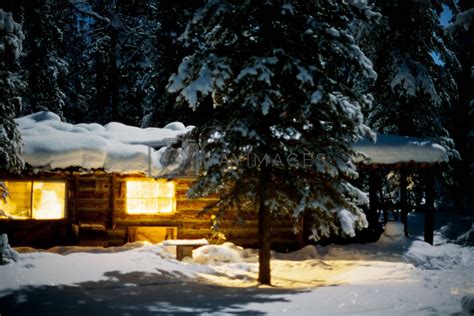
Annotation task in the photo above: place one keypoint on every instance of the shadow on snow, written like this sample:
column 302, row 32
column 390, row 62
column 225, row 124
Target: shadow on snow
column 138, row 293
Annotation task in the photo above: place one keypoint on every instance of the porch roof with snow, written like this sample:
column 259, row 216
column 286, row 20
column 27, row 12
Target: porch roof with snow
column 49, row 144
column 392, row 149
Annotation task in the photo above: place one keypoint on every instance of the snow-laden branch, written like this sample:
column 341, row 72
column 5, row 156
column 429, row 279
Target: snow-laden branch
column 88, row 12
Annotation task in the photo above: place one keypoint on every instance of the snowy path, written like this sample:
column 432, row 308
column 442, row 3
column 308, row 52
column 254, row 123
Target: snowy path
column 140, row 293
column 394, row 276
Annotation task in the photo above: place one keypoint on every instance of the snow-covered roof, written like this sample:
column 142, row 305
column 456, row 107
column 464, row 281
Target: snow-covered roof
column 50, row 144
column 391, row 149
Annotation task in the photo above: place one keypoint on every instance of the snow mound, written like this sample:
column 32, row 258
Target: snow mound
column 80, row 264
column 305, row 253
column 49, row 143
column 390, row 149
column 393, row 234
column 394, row 230
column 66, row 250
column 211, row 254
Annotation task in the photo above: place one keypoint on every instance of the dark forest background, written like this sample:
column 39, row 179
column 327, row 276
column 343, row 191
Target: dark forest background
column 101, row 61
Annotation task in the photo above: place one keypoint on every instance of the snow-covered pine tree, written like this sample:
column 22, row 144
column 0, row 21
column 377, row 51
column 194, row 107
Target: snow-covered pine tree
column 11, row 85
column 137, row 45
column 159, row 106
column 44, row 22
column 78, row 81
column 121, row 42
column 279, row 140
column 412, row 90
column 461, row 32
column 415, row 89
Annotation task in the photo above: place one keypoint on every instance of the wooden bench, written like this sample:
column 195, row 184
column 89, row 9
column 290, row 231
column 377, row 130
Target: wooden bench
column 185, row 247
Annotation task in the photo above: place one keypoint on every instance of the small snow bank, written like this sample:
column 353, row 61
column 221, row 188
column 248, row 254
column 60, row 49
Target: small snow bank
column 51, row 144
column 392, row 246
column 390, row 149
column 225, row 253
column 305, row 253
column 66, row 250
column 79, row 264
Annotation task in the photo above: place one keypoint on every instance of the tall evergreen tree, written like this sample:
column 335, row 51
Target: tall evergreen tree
column 415, row 90
column 121, row 43
column 461, row 31
column 11, row 85
column 44, row 22
column 412, row 91
column 276, row 72
column 159, row 105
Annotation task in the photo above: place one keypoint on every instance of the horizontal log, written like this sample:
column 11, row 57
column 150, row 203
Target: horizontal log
column 116, row 233
column 92, row 217
column 93, row 204
column 194, row 233
column 116, row 242
column 149, row 222
column 93, row 194
column 192, row 204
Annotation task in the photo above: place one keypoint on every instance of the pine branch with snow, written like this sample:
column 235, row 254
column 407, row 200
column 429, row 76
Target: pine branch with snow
column 11, row 85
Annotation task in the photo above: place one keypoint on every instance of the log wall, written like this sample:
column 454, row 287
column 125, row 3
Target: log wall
column 98, row 210
column 96, row 216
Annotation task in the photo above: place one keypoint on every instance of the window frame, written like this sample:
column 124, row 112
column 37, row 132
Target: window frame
column 32, row 181
column 157, row 198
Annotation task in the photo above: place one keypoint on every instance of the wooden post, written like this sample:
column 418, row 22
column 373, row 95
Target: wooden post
column 374, row 183
column 404, row 199
column 429, row 209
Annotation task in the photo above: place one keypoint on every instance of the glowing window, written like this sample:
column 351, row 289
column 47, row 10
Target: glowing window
column 150, row 197
column 34, row 199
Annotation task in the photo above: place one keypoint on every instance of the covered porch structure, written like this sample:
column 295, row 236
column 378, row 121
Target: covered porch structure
column 400, row 173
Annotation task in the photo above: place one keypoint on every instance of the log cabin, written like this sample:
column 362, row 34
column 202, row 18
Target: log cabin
column 94, row 185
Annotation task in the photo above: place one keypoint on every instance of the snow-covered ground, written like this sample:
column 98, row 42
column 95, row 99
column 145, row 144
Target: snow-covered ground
column 395, row 276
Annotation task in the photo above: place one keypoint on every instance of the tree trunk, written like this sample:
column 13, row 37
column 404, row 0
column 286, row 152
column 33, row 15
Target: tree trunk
column 264, row 240
column 374, row 187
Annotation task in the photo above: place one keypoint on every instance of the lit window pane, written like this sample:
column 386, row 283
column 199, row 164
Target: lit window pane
column 165, row 189
column 48, row 200
column 18, row 204
column 165, row 206
column 150, row 197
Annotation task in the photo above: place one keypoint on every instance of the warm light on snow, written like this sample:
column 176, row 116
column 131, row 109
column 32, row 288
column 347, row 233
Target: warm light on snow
column 150, row 197
column 393, row 276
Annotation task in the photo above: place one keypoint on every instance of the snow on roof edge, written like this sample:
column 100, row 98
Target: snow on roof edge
column 50, row 144
column 393, row 149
